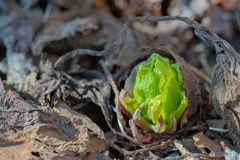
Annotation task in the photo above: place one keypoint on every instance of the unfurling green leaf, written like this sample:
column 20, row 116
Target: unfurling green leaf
column 159, row 84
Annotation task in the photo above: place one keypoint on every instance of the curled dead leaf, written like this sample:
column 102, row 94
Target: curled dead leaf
column 225, row 91
column 60, row 30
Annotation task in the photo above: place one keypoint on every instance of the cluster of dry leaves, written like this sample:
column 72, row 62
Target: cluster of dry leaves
column 72, row 109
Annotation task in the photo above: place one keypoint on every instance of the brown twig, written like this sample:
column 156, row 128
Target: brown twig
column 219, row 138
column 152, row 148
column 203, row 60
column 200, row 73
column 136, row 113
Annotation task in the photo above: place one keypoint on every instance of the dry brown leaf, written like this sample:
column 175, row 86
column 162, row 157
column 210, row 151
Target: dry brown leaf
column 96, row 144
column 189, row 145
column 19, row 38
column 101, row 3
column 77, row 87
column 129, row 46
column 59, row 30
column 201, row 140
column 85, row 84
column 39, row 90
column 224, row 92
column 72, row 10
column 33, row 131
column 65, row 111
column 20, row 146
column 182, row 149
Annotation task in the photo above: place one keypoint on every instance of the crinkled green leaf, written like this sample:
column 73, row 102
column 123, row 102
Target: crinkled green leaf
column 158, row 83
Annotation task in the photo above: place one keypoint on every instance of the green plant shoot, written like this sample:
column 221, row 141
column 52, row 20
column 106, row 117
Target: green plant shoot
column 159, row 84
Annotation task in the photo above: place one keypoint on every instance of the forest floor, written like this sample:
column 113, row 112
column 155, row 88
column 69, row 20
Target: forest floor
column 65, row 68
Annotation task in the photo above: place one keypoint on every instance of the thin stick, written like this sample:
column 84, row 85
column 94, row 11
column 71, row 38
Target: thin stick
column 47, row 12
column 219, row 138
column 200, row 73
